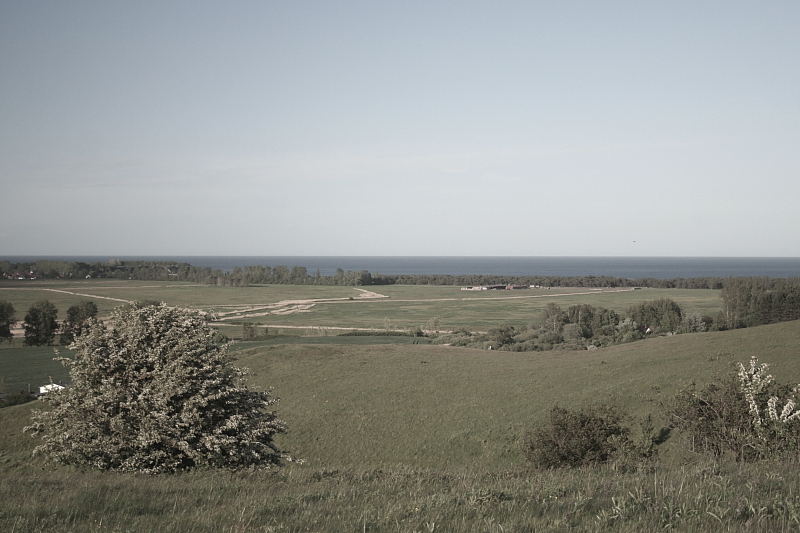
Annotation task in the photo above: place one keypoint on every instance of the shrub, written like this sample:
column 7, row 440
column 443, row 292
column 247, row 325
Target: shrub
column 576, row 437
column 745, row 414
column 16, row 399
column 712, row 419
column 155, row 393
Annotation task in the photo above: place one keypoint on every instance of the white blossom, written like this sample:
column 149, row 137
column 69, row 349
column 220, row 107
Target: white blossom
column 153, row 393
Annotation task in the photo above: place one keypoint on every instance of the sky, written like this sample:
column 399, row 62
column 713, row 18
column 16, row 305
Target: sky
column 664, row 128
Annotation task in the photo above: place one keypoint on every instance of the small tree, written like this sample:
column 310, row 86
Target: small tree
column 77, row 318
column 7, row 320
column 154, row 393
column 40, row 324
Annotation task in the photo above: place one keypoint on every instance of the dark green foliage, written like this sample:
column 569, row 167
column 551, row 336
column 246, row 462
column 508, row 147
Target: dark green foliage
column 500, row 336
column 250, row 331
column 145, row 302
column 375, row 333
column 553, row 318
column 40, row 324
column 15, row 399
column 220, row 338
column 77, row 317
column 712, row 419
column 298, row 275
column 7, row 320
column 757, row 301
column 576, row 437
column 661, row 316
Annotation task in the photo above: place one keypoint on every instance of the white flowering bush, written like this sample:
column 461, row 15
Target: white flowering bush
column 754, row 382
column 745, row 413
column 153, row 392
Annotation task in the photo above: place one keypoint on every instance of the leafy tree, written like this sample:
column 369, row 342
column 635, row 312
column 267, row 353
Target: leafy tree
column 7, row 320
column 154, row 393
column 500, row 336
column 553, row 318
column 77, row 317
column 662, row 315
column 249, row 331
column 583, row 316
column 40, row 324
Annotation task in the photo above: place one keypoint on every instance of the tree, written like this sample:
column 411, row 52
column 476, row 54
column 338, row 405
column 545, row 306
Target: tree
column 662, row 315
column 7, row 320
column 501, row 335
column 77, row 317
column 40, row 324
column 554, row 318
column 154, row 393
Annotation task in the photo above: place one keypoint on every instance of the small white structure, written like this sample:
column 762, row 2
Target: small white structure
column 44, row 389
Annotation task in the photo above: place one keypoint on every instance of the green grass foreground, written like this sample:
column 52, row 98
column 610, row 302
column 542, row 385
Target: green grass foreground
column 428, row 438
column 701, row 497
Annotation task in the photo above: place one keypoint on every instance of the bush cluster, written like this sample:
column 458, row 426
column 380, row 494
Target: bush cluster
column 586, row 436
column 585, row 327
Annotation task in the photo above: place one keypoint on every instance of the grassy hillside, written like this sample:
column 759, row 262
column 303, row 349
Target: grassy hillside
column 428, row 406
column 426, row 438
column 439, row 405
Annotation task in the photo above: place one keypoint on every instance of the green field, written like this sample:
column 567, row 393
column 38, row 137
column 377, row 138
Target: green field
column 407, row 437
column 30, row 366
column 318, row 307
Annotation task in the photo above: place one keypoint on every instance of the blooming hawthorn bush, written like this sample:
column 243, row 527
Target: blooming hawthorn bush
column 153, row 393
column 746, row 414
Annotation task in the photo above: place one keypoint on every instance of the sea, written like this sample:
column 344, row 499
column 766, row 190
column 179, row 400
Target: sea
column 618, row 267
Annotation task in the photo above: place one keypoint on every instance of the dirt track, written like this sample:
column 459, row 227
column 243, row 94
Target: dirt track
column 287, row 307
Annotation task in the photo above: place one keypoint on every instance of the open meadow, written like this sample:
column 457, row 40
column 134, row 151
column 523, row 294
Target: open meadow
column 409, row 437
column 315, row 308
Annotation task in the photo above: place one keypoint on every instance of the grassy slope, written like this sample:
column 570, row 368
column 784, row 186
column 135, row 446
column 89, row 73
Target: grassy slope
column 34, row 366
column 397, row 444
column 428, row 406
column 437, row 405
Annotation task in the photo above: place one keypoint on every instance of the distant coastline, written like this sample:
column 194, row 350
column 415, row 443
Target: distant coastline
column 621, row 267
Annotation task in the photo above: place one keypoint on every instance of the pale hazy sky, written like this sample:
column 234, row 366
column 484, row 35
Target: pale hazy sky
column 400, row 128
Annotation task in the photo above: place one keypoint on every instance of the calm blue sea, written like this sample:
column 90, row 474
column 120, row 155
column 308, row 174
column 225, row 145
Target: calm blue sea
column 621, row 267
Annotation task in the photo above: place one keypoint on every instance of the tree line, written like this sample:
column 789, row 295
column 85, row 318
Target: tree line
column 759, row 300
column 41, row 325
column 299, row 275
column 585, row 327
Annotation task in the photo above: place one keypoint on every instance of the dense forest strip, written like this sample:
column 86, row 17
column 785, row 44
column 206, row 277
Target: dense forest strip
column 298, row 275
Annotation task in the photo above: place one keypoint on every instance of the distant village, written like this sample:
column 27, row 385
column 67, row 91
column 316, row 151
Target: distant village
column 18, row 275
column 500, row 287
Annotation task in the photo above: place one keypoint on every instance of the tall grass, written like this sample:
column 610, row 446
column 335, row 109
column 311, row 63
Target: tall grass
column 698, row 497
